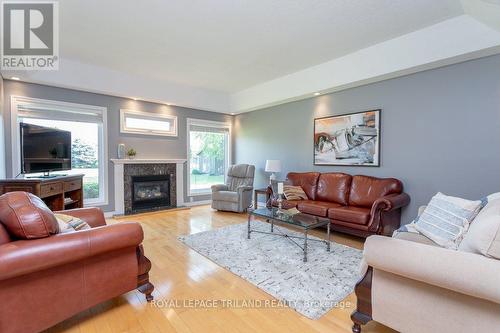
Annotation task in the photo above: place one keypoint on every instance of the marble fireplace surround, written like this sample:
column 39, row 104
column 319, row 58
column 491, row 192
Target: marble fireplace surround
column 151, row 167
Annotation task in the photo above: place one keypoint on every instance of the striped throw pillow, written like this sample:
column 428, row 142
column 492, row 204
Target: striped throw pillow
column 294, row 193
column 446, row 219
column 69, row 223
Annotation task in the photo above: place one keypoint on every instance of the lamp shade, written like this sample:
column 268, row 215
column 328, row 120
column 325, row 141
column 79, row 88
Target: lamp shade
column 273, row 166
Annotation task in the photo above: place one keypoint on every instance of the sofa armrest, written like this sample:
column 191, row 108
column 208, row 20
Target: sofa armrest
column 463, row 272
column 28, row 256
column 390, row 202
column 219, row 187
column 93, row 215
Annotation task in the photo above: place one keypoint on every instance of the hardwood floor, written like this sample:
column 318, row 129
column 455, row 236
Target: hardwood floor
column 180, row 273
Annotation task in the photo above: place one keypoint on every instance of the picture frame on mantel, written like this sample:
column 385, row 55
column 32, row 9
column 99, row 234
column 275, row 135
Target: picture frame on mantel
column 351, row 139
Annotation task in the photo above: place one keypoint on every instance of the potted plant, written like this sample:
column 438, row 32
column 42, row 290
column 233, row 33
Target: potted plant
column 131, row 153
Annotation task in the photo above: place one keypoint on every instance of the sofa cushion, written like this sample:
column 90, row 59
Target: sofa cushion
column 4, row 235
column 225, row 196
column 334, row 187
column 318, row 208
column 483, row 236
column 365, row 189
column 446, row 219
column 294, row 193
column 357, row 215
column 307, row 180
column 25, row 216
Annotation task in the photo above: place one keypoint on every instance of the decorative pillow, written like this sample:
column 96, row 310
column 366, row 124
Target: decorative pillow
column 483, row 236
column 25, row 216
column 69, row 223
column 294, row 193
column 446, row 219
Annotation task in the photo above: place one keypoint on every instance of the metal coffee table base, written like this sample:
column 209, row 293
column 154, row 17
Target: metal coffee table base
column 291, row 238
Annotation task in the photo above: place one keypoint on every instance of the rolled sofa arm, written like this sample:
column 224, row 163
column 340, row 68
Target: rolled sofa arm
column 391, row 202
column 463, row 272
column 28, row 256
column 219, row 187
column 93, row 216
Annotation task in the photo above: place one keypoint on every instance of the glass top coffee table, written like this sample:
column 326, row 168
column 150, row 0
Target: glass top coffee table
column 302, row 221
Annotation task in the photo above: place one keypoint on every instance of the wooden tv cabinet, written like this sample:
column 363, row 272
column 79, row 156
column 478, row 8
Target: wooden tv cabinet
column 52, row 191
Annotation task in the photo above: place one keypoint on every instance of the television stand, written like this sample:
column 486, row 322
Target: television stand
column 53, row 191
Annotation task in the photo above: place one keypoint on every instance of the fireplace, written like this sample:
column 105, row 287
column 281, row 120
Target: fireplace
column 149, row 187
column 150, row 192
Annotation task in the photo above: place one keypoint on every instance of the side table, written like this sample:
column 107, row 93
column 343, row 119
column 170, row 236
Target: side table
column 258, row 191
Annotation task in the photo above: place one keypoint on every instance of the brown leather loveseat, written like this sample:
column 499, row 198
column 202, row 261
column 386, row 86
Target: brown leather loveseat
column 46, row 276
column 357, row 205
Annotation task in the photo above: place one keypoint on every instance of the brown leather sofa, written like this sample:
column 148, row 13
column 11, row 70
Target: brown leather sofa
column 46, row 277
column 357, row 205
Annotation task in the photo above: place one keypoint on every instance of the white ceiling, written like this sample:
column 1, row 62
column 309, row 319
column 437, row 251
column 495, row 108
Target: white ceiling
column 230, row 45
column 208, row 54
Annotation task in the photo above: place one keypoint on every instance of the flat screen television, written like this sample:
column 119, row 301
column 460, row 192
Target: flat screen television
column 44, row 149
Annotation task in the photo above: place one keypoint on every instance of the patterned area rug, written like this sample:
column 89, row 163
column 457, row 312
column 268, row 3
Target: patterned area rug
column 275, row 265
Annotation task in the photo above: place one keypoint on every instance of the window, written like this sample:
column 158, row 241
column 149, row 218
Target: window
column 88, row 149
column 209, row 153
column 137, row 122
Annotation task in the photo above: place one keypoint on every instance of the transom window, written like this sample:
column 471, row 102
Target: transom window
column 138, row 122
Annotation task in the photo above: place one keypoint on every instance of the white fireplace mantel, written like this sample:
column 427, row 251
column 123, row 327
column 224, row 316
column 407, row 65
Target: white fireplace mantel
column 146, row 161
column 119, row 179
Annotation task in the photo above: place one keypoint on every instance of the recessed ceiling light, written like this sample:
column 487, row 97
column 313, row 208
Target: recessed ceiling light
column 232, row 113
column 169, row 104
column 317, row 93
column 134, row 98
column 15, row 78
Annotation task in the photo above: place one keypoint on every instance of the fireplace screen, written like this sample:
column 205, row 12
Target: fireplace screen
column 150, row 192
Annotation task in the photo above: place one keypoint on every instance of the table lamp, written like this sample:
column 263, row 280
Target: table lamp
column 273, row 166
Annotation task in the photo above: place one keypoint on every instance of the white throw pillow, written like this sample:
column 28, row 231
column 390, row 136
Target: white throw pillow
column 446, row 219
column 483, row 236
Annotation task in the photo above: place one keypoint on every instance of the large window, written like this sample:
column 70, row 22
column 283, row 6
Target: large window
column 209, row 154
column 87, row 127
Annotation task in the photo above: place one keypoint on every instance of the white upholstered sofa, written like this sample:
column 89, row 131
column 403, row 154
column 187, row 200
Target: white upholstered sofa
column 413, row 285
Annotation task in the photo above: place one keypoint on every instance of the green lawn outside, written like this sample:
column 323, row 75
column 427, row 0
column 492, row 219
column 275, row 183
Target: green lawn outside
column 204, row 181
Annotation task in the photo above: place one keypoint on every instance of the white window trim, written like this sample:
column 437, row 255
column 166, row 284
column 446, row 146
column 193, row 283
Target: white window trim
column 15, row 101
column 207, row 123
column 125, row 129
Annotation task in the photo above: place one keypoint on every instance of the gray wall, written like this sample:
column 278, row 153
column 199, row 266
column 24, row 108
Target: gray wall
column 146, row 146
column 440, row 131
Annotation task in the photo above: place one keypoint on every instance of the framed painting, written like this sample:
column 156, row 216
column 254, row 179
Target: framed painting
column 349, row 139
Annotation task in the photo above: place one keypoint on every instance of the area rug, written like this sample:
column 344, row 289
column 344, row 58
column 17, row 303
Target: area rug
column 275, row 265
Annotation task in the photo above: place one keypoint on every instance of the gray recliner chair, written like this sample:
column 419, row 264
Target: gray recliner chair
column 236, row 194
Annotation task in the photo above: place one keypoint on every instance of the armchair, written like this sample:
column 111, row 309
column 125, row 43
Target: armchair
column 236, row 194
column 47, row 277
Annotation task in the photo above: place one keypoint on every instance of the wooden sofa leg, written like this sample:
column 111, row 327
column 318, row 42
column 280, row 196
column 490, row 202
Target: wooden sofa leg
column 363, row 313
column 147, row 289
column 143, row 284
